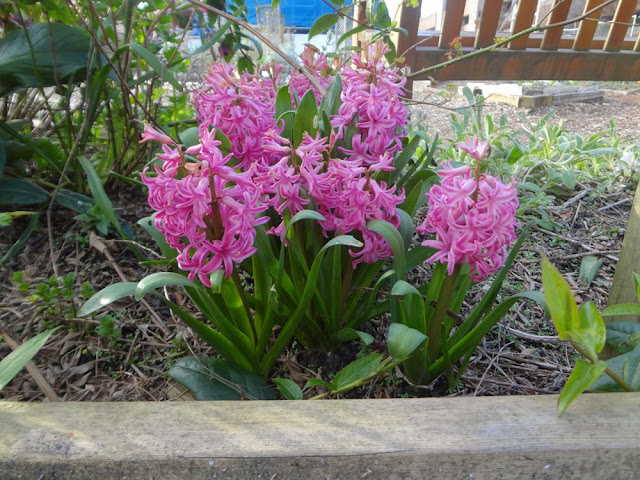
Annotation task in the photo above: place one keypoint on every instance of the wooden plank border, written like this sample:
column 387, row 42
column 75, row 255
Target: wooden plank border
column 443, row 438
column 533, row 65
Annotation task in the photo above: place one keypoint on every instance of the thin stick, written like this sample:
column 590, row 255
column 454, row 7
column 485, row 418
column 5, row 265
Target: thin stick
column 42, row 383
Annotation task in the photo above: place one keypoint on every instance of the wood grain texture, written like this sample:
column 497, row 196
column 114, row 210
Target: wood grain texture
column 447, row 438
column 533, row 65
column 623, row 289
column 488, row 23
column 524, row 19
column 560, row 12
column 621, row 20
column 452, row 22
column 588, row 26
column 410, row 20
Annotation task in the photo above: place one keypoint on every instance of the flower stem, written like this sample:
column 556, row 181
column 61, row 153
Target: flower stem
column 440, row 311
column 613, row 375
column 239, row 287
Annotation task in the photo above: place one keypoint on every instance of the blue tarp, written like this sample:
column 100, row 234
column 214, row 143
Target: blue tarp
column 298, row 14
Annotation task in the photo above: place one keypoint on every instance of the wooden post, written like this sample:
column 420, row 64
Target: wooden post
column 409, row 20
column 623, row 289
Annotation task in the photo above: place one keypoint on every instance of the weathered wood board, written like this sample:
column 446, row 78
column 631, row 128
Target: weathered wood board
column 446, row 438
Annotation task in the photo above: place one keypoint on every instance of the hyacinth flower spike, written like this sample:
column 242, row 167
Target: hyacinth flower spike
column 473, row 218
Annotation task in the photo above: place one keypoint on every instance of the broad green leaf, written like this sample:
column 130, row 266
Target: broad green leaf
column 216, row 379
column 316, row 382
column 395, row 241
column 216, row 278
column 356, row 370
column 74, row 201
column 623, row 335
column 636, row 283
column 3, row 157
column 156, row 65
column 20, row 191
column 190, row 136
column 100, row 196
column 15, row 248
column 225, row 143
column 382, row 17
column 322, row 24
column 304, row 120
column 167, row 252
column 283, row 101
column 288, row 388
column 405, row 228
column 346, row 334
column 331, row 101
column 583, row 375
column 622, row 309
column 106, row 296
column 41, row 55
column 562, row 306
column 16, row 360
column 158, row 280
column 402, row 340
column 589, row 269
column 305, row 215
column 630, row 360
column 592, row 327
column 350, row 33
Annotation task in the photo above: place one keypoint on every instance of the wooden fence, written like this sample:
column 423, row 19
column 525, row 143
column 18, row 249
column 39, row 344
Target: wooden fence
column 550, row 55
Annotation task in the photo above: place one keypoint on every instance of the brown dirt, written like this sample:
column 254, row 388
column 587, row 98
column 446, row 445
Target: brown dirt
column 520, row 356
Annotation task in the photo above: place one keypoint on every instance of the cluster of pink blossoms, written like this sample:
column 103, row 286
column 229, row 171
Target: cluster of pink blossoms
column 371, row 94
column 472, row 215
column 205, row 209
column 341, row 189
column 240, row 106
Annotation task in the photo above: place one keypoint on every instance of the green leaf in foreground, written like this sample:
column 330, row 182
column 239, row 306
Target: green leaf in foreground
column 216, row 379
column 583, row 375
column 106, row 296
column 160, row 279
column 356, row 370
column 16, row 360
column 402, row 340
column 288, row 388
column 322, row 24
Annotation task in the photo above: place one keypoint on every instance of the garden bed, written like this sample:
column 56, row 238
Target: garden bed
column 127, row 358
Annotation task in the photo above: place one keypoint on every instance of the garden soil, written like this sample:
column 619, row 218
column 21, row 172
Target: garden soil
column 87, row 362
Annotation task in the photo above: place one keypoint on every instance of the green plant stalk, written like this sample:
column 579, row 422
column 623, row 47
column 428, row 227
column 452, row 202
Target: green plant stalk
column 238, row 283
column 614, row 376
column 440, row 312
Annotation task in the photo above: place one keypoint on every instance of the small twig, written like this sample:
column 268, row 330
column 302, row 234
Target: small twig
column 615, row 204
column 532, row 337
column 573, row 199
column 584, row 254
column 52, row 255
column 42, row 383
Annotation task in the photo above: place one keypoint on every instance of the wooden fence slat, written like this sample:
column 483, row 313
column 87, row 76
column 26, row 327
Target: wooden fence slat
column 451, row 22
column 534, row 65
column 410, row 20
column 619, row 28
column 524, row 20
column 636, row 47
column 419, row 438
column 488, row 23
column 551, row 39
column 588, row 26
